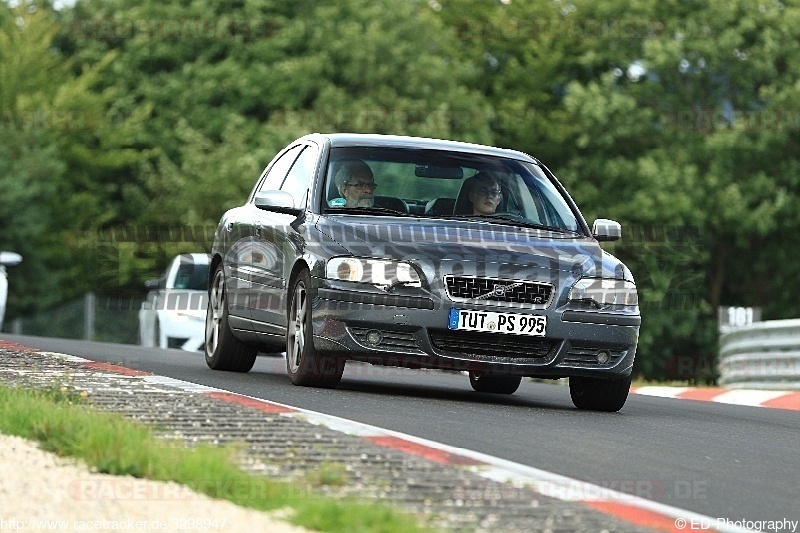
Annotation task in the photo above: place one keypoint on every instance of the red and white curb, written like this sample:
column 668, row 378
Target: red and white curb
column 754, row 398
column 630, row 508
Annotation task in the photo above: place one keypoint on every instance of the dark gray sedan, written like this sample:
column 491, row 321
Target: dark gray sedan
column 421, row 253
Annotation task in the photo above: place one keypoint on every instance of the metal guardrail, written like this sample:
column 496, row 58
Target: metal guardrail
column 762, row 355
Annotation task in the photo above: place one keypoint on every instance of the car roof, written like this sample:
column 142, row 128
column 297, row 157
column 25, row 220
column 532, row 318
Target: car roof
column 198, row 259
column 401, row 141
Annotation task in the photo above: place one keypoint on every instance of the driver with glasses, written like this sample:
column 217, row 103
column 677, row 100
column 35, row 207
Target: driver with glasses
column 355, row 183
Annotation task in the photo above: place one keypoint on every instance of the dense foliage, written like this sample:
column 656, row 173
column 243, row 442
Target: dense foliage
column 680, row 119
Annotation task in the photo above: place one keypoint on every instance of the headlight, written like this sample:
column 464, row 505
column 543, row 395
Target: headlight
column 374, row 271
column 605, row 292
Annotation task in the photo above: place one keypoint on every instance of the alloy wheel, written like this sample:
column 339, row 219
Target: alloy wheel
column 297, row 327
column 216, row 305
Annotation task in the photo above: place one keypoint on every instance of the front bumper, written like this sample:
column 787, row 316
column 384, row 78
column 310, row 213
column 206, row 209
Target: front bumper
column 185, row 333
column 412, row 332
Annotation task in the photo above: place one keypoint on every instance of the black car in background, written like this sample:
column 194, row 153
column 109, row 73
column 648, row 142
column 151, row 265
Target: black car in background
column 421, row 253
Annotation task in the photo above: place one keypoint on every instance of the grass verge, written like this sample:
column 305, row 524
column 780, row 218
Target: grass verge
column 114, row 445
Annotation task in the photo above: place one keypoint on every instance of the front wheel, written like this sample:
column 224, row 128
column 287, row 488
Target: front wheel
column 304, row 364
column 223, row 350
column 599, row 394
column 157, row 335
column 494, row 383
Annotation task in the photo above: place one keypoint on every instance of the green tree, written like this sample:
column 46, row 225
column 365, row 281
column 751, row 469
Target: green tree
column 62, row 170
column 679, row 119
column 229, row 84
column 682, row 127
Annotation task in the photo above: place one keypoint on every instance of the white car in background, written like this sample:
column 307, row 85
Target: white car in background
column 6, row 259
column 173, row 313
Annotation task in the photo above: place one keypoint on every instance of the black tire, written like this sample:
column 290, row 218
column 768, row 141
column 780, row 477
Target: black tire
column 223, row 350
column 157, row 335
column 599, row 394
column 494, row 383
column 305, row 366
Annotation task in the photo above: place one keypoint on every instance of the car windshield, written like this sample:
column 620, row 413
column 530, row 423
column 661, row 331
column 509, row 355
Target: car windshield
column 437, row 183
column 192, row 276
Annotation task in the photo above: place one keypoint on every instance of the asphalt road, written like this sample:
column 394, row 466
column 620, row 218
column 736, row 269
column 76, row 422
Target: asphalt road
column 736, row 462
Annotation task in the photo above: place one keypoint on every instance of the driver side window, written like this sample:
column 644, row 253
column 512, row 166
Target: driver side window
column 279, row 169
column 299, row 177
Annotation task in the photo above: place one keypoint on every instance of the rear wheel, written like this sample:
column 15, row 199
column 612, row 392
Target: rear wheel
column 304, row 364
column 223, row 350
column 494, row 383
column 157, row 335
column 599, row 394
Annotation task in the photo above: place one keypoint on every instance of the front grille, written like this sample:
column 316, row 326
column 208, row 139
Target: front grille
column 496, row 290
column 392, row 340
column 586, row 356
column 491, row 345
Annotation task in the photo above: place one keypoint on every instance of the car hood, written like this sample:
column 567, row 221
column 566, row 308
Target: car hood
column 472, row 247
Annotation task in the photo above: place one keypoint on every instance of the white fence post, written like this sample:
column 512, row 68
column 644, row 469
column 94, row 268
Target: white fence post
column 88, row 315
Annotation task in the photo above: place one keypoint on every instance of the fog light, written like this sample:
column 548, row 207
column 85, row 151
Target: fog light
column 374, row 337
column 602, row 358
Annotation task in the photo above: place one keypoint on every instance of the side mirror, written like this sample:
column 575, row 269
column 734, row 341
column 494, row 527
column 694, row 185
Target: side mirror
column 10, row 259
column 152, row 284
column 605, row 230
column 278, row 201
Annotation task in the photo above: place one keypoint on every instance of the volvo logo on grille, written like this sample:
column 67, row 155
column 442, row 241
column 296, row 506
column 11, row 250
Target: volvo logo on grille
column 500, row 290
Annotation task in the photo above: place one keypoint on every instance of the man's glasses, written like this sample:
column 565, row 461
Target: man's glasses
column 485, row 191
column 363, row 185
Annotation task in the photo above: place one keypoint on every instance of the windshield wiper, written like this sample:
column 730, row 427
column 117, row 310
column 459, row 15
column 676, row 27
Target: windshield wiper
column 519, row 220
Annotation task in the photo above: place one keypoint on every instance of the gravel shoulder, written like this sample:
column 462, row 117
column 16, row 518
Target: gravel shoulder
column 40, row 491
column 277, row 445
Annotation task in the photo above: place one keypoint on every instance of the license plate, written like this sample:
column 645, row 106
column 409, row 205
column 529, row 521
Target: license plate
column 490, row 322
